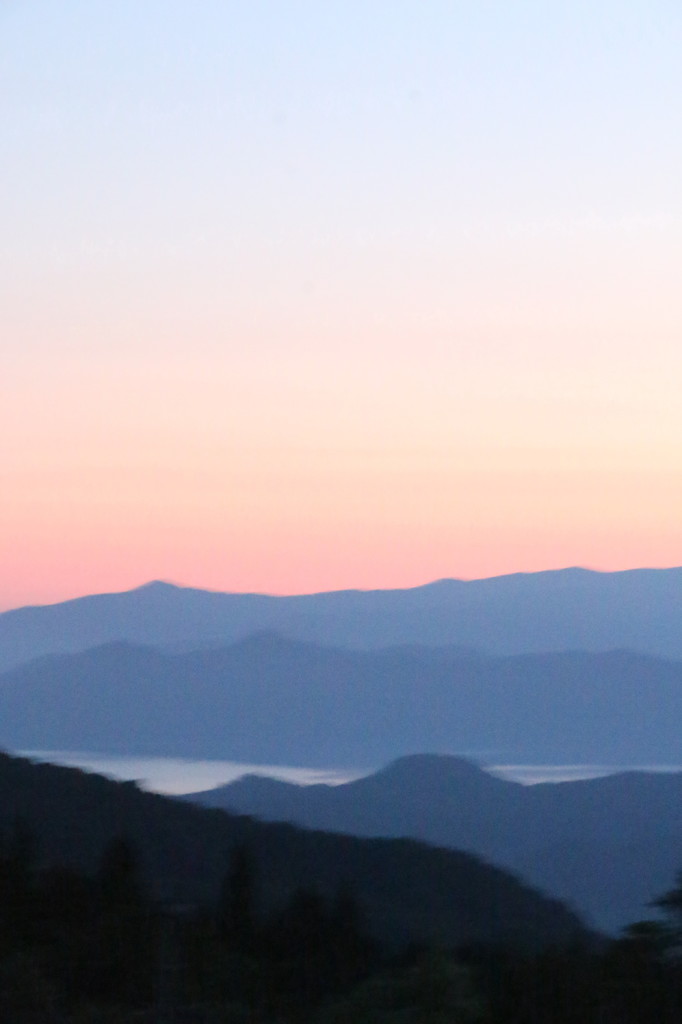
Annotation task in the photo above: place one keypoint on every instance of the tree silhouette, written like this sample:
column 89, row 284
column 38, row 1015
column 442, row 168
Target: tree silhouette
column 236, row 914
column 671, row 905
column 123, row 940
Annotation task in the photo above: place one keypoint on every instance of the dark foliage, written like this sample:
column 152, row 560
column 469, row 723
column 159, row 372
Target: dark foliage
column 408, row 891
column 98, row 949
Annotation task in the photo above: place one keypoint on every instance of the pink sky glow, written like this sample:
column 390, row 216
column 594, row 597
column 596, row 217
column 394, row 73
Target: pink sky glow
column 362, row 298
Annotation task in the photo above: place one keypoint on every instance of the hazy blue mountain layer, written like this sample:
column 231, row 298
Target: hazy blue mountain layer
column 406, row 890
column 606, row 846
column 267, row 700
column 568, row 609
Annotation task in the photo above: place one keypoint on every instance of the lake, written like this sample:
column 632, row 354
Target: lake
column 176, row 775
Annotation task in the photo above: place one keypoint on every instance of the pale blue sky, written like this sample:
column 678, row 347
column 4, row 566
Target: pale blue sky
column 148, row 136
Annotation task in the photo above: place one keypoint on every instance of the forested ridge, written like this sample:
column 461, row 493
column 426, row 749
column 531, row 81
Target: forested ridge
column 409, row 891
column 605, row 846
column 120, row 906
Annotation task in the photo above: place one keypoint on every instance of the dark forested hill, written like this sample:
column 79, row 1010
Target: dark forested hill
column 407, row 891
column 608, row 846
column 568, row 609
column 269, row 700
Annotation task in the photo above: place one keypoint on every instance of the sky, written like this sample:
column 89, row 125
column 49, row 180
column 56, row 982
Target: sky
column 301, row 296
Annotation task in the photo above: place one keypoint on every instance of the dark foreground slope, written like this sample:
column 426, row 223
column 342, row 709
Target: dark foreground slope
column 608, row 846
column 567, row 609
column 269, row 700
column 408, row 891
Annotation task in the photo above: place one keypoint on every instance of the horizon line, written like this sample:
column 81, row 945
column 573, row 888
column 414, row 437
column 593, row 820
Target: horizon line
column 172, row 584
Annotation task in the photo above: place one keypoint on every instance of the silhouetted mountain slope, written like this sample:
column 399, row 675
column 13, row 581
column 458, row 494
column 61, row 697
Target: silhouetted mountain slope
column 607, row 845
column 568, row 609
column 408, row 891
column 276, row 701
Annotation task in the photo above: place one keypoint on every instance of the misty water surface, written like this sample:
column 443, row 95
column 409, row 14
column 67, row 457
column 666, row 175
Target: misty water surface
column 175, row 775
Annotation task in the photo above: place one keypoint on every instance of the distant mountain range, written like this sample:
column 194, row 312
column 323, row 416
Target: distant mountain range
column 424, row 894
column 269, row 700
column 565, row 667
column 568, row 609
column 606, row 846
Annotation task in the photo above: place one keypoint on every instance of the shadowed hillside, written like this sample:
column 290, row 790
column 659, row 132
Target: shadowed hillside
column 408, row 891
column 269, row 700
column 607, row 845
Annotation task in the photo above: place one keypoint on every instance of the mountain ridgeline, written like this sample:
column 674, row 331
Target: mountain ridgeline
column 567, row 609
column 266, row 901
column 607, row 846
column 269, row 700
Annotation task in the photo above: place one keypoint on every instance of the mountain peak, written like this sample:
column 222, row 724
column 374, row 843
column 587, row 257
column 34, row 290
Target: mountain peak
column 432, row 767
column 159, row 585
